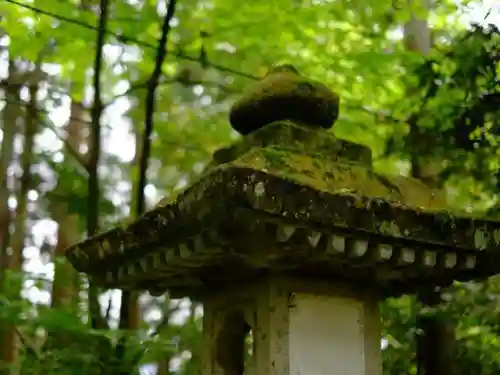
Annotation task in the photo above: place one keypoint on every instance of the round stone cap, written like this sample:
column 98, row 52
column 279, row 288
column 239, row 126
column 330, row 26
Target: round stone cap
column 283, row 94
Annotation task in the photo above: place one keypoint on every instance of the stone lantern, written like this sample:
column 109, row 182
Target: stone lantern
column 290, row 234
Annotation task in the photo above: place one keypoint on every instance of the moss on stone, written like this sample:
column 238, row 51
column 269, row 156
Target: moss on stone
column 229, row 223
column 283, row 94
column 317, row 159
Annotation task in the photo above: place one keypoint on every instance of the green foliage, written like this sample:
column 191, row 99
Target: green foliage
column 216, row 48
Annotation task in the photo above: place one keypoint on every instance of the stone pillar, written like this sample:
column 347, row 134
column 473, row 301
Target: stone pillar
column 298, row 327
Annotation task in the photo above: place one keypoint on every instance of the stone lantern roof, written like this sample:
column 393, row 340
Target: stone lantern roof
column 291, row 198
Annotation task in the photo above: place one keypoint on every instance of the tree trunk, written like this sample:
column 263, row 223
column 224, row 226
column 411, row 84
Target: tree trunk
column 417, row 34
column 435, row 337
column 130, row 311
column 11, row 114
column 435, row 344
column 13, row 275
column 164, row 366
column 66, row 286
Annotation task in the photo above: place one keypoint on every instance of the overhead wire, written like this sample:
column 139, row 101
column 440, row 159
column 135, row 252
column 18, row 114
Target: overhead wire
column 126, row 38
column 177, row 54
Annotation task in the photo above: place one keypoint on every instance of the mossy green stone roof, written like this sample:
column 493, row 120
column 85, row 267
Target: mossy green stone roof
column 316, row 158
column 290, row 198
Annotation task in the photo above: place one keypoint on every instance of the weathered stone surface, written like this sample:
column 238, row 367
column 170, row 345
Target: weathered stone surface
column 293, row 199
column 283, row 94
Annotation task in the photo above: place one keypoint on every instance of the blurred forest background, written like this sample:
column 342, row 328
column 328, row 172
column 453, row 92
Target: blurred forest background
column 107, row 106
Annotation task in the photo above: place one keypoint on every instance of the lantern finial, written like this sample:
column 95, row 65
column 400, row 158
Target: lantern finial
column 283, row 94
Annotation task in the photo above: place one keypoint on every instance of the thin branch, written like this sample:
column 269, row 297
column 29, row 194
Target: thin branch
column 128, row 298
column 150, row 104
column 130, row 90
column 95, row 150
column 49, row 125
column 127, row 92
column 152, row 84
column 107, row 316
column 22, row 103
column 125, row 38
column 180, row 55
column 144, row 85
column 30, row 349
column 168, row 309
column 74, row 153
